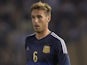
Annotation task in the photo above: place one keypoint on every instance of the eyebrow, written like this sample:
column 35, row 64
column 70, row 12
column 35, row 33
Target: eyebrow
column 36, row 15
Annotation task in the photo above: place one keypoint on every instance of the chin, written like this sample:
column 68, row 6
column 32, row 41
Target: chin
column 38, row 31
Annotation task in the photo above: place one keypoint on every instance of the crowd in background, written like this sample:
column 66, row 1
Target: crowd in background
column 69, row 20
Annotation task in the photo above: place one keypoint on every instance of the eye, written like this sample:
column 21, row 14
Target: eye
column 33, row 17
column 39, row 16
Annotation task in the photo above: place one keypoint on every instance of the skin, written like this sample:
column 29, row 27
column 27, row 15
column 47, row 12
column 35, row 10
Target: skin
column 40, row 21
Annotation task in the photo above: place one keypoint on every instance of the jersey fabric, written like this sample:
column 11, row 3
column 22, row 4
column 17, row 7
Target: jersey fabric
column 50, row 50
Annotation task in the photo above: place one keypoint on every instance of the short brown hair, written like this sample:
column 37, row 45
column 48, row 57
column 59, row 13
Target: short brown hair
column 41, row 6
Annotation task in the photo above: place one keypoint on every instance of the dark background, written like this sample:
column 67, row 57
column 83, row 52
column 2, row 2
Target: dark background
column 69, row 21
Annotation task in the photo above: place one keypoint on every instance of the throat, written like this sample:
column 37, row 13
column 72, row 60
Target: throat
column 42, row 34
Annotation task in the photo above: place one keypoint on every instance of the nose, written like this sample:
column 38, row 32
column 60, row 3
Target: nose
column 36, row 20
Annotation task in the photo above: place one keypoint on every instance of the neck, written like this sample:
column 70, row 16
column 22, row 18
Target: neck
column 42, row 34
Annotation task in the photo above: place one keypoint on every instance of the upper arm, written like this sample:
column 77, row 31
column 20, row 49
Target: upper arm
column 62, row 54
column 26, row 42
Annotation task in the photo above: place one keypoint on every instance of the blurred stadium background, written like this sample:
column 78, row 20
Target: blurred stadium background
column 69, row 21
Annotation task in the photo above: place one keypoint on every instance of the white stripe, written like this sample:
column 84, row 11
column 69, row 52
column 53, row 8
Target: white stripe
column 62, row 42
column 30, row 35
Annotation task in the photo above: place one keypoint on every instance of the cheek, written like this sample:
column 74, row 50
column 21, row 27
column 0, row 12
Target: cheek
column 33, row 22
column 43, row 22
column 44, row 25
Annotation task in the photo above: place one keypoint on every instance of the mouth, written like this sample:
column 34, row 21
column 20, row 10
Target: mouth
column 36, row 25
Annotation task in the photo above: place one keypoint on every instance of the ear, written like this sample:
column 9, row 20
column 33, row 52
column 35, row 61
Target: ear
column 49, row 18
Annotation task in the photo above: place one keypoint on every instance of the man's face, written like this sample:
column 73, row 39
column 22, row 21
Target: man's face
column 40, row 20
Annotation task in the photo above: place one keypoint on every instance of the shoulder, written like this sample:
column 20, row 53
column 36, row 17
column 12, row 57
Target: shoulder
column 60, row 41
column 55, row 36
column 30, row 36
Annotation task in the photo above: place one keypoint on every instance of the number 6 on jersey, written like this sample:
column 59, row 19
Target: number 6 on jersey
column 35, row 58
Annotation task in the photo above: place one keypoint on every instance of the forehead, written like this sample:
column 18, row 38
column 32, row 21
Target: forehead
column 38, row 12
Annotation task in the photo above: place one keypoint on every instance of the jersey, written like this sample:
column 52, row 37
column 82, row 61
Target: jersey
column 50, row 50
